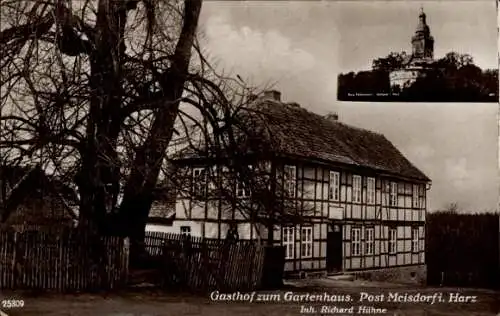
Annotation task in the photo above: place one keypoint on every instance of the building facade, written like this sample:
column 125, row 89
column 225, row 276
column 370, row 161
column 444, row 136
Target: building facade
column 361, row 203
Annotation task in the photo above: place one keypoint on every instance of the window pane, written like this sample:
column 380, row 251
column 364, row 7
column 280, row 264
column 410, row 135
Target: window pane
column 288, row 241
column 333, row 192
column 289, row 180
column 185, row 230
column 356, row 188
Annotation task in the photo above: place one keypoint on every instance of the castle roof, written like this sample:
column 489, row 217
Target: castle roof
column 422, row 26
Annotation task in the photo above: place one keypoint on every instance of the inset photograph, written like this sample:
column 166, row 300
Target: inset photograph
column 437, row 51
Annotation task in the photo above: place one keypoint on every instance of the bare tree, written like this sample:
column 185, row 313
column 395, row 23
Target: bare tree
column 79, row 76
column 99, row 91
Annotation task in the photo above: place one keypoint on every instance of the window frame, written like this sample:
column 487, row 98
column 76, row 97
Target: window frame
column 241, row 191
column 185, row 233
column 290, row 184
column 370, row 190
column 212, row 183
column 199, row 188
column 415, row 242
column 357, row 188
column 306, row 244
column 289, row 243
column 422, row 198
column 416, row 196
column 370, row 242
column 334, row 186
column 356, row 242
column 243, row 186
column 393, row 240
column 393, row 194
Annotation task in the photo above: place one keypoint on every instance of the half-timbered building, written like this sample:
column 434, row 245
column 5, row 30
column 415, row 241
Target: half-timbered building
column 30, row 199
column 363, row 202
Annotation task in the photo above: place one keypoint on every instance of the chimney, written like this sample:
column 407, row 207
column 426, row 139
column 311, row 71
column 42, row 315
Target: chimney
column 272, row 95
column 334, row 117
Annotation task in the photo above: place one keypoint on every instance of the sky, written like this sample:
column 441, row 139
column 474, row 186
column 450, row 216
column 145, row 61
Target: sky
column 466, row 27
column 299, row 48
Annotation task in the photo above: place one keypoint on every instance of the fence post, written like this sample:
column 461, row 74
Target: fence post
column 14, row 255
column 125, row 260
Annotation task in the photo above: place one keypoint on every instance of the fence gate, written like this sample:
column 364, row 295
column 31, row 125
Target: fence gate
column 201, row 264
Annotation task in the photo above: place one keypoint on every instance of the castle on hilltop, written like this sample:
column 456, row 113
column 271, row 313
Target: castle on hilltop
column 421, row 59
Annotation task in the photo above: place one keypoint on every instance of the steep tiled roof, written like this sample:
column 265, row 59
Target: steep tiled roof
column 10, row 176
column 19, row 183
column 299, row 132
column 292, row 130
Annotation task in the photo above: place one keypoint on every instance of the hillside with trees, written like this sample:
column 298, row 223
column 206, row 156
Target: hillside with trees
column 453, row 78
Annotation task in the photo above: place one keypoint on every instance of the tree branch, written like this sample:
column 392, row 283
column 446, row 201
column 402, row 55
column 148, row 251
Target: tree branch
column 27, row 30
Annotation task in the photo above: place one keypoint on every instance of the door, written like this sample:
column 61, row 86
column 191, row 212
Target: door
column 334, row 248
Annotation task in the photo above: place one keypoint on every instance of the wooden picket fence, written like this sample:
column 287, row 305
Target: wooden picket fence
column 61, row 262
column 201, row 264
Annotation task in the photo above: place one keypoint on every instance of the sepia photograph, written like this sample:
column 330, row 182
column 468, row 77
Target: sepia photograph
column 411, row 51
column 189, row 157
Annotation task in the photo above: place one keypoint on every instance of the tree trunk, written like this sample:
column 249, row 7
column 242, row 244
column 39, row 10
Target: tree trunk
column 99, row 174
column 138, row 190
column 98, row 177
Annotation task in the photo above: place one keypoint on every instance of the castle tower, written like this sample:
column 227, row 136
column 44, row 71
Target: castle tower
column 421, row 58
column 422, row 42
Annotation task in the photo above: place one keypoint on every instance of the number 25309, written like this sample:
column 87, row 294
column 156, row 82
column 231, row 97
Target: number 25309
column 12, row 303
